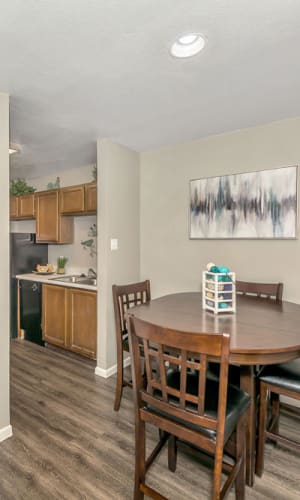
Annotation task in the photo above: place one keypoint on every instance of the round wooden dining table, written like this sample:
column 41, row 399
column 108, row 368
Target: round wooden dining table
column 261, row 332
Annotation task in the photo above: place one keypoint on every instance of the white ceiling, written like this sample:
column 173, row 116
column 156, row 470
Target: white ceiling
column 77, row 70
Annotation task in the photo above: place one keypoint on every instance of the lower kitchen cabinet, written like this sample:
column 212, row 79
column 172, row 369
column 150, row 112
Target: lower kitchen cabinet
column 83, row 321
column 70, row 319
column 55, row 315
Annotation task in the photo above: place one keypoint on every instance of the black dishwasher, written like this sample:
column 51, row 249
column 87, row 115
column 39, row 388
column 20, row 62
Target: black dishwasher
column 31, row 310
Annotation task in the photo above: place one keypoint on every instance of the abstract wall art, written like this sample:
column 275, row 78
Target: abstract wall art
column 259, row 204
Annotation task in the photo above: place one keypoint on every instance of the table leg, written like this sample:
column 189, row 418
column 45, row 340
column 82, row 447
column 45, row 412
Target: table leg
column 248, row 385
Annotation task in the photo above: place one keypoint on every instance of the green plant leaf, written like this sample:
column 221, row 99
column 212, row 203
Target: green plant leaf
column 87, row 243
column 19, row 186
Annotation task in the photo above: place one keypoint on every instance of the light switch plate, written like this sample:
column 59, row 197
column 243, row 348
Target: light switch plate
column 114, row 244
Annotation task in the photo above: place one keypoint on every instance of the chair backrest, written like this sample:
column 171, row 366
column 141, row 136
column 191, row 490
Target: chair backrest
column 164, row 349
column 268, row 290
column 125, row 297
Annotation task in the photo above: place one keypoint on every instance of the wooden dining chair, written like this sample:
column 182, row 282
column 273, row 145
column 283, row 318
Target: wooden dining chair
column 266, row 290
column 185, row 404
column 124, row 297
column 271, row 291
column 282, row 379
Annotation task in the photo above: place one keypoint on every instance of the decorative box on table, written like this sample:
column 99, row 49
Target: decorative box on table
column 218, row 291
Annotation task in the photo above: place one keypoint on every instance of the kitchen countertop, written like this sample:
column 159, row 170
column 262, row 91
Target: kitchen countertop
column 42, row 278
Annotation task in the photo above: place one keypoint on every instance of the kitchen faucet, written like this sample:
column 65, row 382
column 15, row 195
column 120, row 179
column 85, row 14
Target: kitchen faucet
column 92, row 273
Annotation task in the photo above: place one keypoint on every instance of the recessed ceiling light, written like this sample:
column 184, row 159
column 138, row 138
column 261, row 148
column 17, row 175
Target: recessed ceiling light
column 12, row 151
column 188, row 45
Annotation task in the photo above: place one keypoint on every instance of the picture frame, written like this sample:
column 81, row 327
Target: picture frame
column 252, row 205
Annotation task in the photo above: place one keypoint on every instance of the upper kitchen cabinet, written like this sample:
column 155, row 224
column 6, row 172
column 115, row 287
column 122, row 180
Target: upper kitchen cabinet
column 13, row 210
column 78, row 200
column 22, row 207
column 91, row 197
column 51, row 227
column 72, row 200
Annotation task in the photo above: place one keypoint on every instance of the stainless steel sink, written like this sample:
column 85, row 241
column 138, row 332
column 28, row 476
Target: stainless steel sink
column 76, row 278
column 69, row 279
column 88, row 281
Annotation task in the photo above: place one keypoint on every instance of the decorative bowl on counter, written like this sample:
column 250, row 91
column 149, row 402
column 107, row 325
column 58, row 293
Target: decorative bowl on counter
column 44, row 269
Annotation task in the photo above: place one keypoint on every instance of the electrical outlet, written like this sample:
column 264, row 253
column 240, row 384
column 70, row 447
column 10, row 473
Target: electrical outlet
column 114, row 244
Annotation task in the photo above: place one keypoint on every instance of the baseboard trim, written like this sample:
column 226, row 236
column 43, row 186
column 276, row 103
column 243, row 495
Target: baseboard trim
column 5, row 433
column 100, row 372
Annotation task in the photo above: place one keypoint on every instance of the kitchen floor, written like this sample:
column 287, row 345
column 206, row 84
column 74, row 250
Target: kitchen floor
column 68, row 443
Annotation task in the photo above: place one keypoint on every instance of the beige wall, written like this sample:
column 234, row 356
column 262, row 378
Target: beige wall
column 79, row 259
column 5, row 429
column 168, row 257
column 68, row 177
column 118, row 217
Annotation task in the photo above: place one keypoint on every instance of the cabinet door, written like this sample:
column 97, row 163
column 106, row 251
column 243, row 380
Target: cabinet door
column 26, row 206
column 47, row 228
column 50, row 226
column 91, row 197
column 13, row 207
column 55, row 315
column 72, row 200
column 83, row 322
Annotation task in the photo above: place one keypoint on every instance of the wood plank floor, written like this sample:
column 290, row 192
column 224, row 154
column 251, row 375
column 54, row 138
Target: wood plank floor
column 68, row 443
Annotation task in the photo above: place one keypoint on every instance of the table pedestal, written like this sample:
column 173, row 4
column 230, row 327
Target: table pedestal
column 248, row 385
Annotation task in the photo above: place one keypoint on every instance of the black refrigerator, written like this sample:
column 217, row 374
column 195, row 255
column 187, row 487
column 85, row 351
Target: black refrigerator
column 25, row 254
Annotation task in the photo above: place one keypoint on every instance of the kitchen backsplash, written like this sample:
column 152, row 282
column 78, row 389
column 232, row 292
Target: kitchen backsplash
column 79, row 259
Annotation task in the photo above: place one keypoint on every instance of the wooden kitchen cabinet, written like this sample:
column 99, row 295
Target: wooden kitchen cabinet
column 72, row 200
column 79, row 200
column 55, row 315
column 51, row 227
column 70, row 319
column 83, row 322
column 91, row 197
column 13, row 201
column 22, row 207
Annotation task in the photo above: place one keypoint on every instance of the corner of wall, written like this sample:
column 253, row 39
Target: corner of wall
column 119, row 218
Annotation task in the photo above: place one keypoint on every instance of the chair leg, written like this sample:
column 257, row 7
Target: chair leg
column 240, row 479
column 172, row 453
column 140, row 459
column 217, row 479
column 120, row 384
column 275, row 411
column 259, row 466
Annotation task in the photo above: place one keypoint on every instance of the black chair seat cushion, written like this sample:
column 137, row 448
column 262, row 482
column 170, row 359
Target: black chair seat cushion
column 237, row 402
column 233, row 373
column 285, row 375
column 125, row 343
